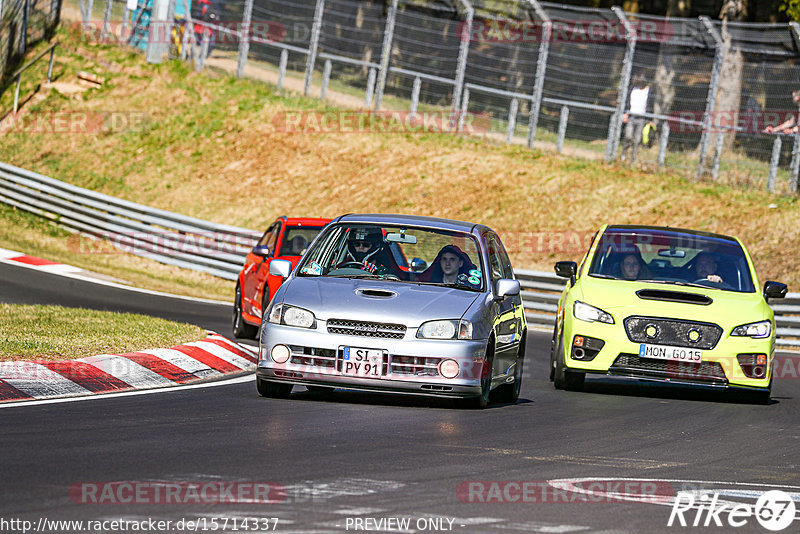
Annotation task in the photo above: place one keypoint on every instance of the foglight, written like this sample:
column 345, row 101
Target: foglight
column 448, row 368
column 280, row 354
column 758, row 330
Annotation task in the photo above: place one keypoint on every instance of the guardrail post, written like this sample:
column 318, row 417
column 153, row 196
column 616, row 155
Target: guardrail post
column 159, row 30
column 512, row 120
column 316, row 28
column 463, row 53
column 717, row 155
column 386, row 54
column 615, row 126
column 462, row 116
column 711, row 97
column 326, row 75
column 662, row 143
column 541, row 69
column 16, row 93
column 773, row 163
column 794, row 168
column 23, row 42
column 562, row 128
column 282, row 68
column 414, row 97
column 370, row 88
column 106, row 20
column 244, row 38
column 50, row 65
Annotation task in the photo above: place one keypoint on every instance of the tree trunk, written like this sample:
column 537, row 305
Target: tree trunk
column 730, row 78
column 665, row 73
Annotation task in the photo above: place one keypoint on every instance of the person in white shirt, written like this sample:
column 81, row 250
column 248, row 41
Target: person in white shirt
column 634, row 119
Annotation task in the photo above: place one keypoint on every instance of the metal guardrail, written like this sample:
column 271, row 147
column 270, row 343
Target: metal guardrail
column 170, row 238
column 219, row 249
column 18, row 73
column 541, row 291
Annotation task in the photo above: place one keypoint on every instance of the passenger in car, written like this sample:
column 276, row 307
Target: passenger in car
column 632, row 267
column 299, row 245
column 450, row 262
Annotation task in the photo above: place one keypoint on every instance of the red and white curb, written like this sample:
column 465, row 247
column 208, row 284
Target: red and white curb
column 212, row 357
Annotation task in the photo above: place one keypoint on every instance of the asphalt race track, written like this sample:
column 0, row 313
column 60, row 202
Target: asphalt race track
column 353, row 462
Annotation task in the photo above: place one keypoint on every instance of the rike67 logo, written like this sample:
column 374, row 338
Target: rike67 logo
column 774, row 510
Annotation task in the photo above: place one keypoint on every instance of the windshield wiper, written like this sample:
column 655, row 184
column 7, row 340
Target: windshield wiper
column 675, row 282
column 606, row 276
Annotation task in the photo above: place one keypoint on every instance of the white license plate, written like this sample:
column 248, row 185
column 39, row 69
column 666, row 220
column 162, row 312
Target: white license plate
column 366, row 363
column 674, row 354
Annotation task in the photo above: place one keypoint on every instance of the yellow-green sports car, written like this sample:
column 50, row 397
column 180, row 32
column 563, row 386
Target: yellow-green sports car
column 665, row 304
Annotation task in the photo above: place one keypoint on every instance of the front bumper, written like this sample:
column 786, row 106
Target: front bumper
column 409, row 365
column 619, row 356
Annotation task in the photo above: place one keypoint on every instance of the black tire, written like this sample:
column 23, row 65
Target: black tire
column 552, row 354
column 762, row 397
column 482, row 400
column 563, row 378
column 273, row 390
column 509, row 393
column 239, row 326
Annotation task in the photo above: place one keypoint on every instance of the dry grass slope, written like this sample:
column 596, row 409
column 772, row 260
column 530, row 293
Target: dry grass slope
column 211, row 149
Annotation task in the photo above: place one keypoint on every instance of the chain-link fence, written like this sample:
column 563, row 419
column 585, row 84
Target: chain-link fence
column 23, row 23
column 717, row 104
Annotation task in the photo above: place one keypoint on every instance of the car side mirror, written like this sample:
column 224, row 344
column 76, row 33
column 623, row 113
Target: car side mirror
column 567, row 269
column 774, row 290
column 506, row 287
column 261, row 250
column 282, row 268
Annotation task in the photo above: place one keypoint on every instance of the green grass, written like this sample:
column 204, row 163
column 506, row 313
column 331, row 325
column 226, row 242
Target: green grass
column 59, row 333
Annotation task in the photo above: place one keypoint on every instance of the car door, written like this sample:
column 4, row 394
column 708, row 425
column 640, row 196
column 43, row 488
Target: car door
column 257, row 268
column 506, row 313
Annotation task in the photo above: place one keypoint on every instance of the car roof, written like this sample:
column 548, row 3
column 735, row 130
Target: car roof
column 655, row 229
column 304, row 221
column 411, row 220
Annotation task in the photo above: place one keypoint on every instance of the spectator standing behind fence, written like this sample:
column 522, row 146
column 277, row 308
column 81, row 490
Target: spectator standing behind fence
column 204, row 11
column 789, row 125
column 634, row 119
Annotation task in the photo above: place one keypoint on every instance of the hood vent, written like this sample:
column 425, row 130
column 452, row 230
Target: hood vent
column 376, row 293
column 674, row 296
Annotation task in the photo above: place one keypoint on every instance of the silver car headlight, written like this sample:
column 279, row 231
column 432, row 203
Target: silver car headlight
column 292, row 316
column 590, row 314
column 445, row 329
column 757, row 330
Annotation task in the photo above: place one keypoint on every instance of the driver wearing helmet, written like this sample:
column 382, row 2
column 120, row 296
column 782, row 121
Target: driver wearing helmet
column 364, row 246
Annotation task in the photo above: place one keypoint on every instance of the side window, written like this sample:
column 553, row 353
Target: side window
column 505, row 261
column 270, row 238
column 495, row 261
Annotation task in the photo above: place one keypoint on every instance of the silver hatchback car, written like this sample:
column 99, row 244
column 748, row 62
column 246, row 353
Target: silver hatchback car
column 397, row 303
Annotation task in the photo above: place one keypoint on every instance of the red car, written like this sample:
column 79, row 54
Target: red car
column 287, row 238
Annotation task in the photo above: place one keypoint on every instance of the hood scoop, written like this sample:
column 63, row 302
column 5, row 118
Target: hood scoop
column 376, row 293
column 674, row 296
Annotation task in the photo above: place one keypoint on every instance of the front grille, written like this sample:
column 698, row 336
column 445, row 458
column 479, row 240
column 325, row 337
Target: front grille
column 313, row 357
column 366, row 329
column 672, row 332
column 415, row 366
column 703, row 372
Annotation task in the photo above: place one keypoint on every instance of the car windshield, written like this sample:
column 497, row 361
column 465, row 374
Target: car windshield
column 405, row 254
column 297, row 238
column 672, row 257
